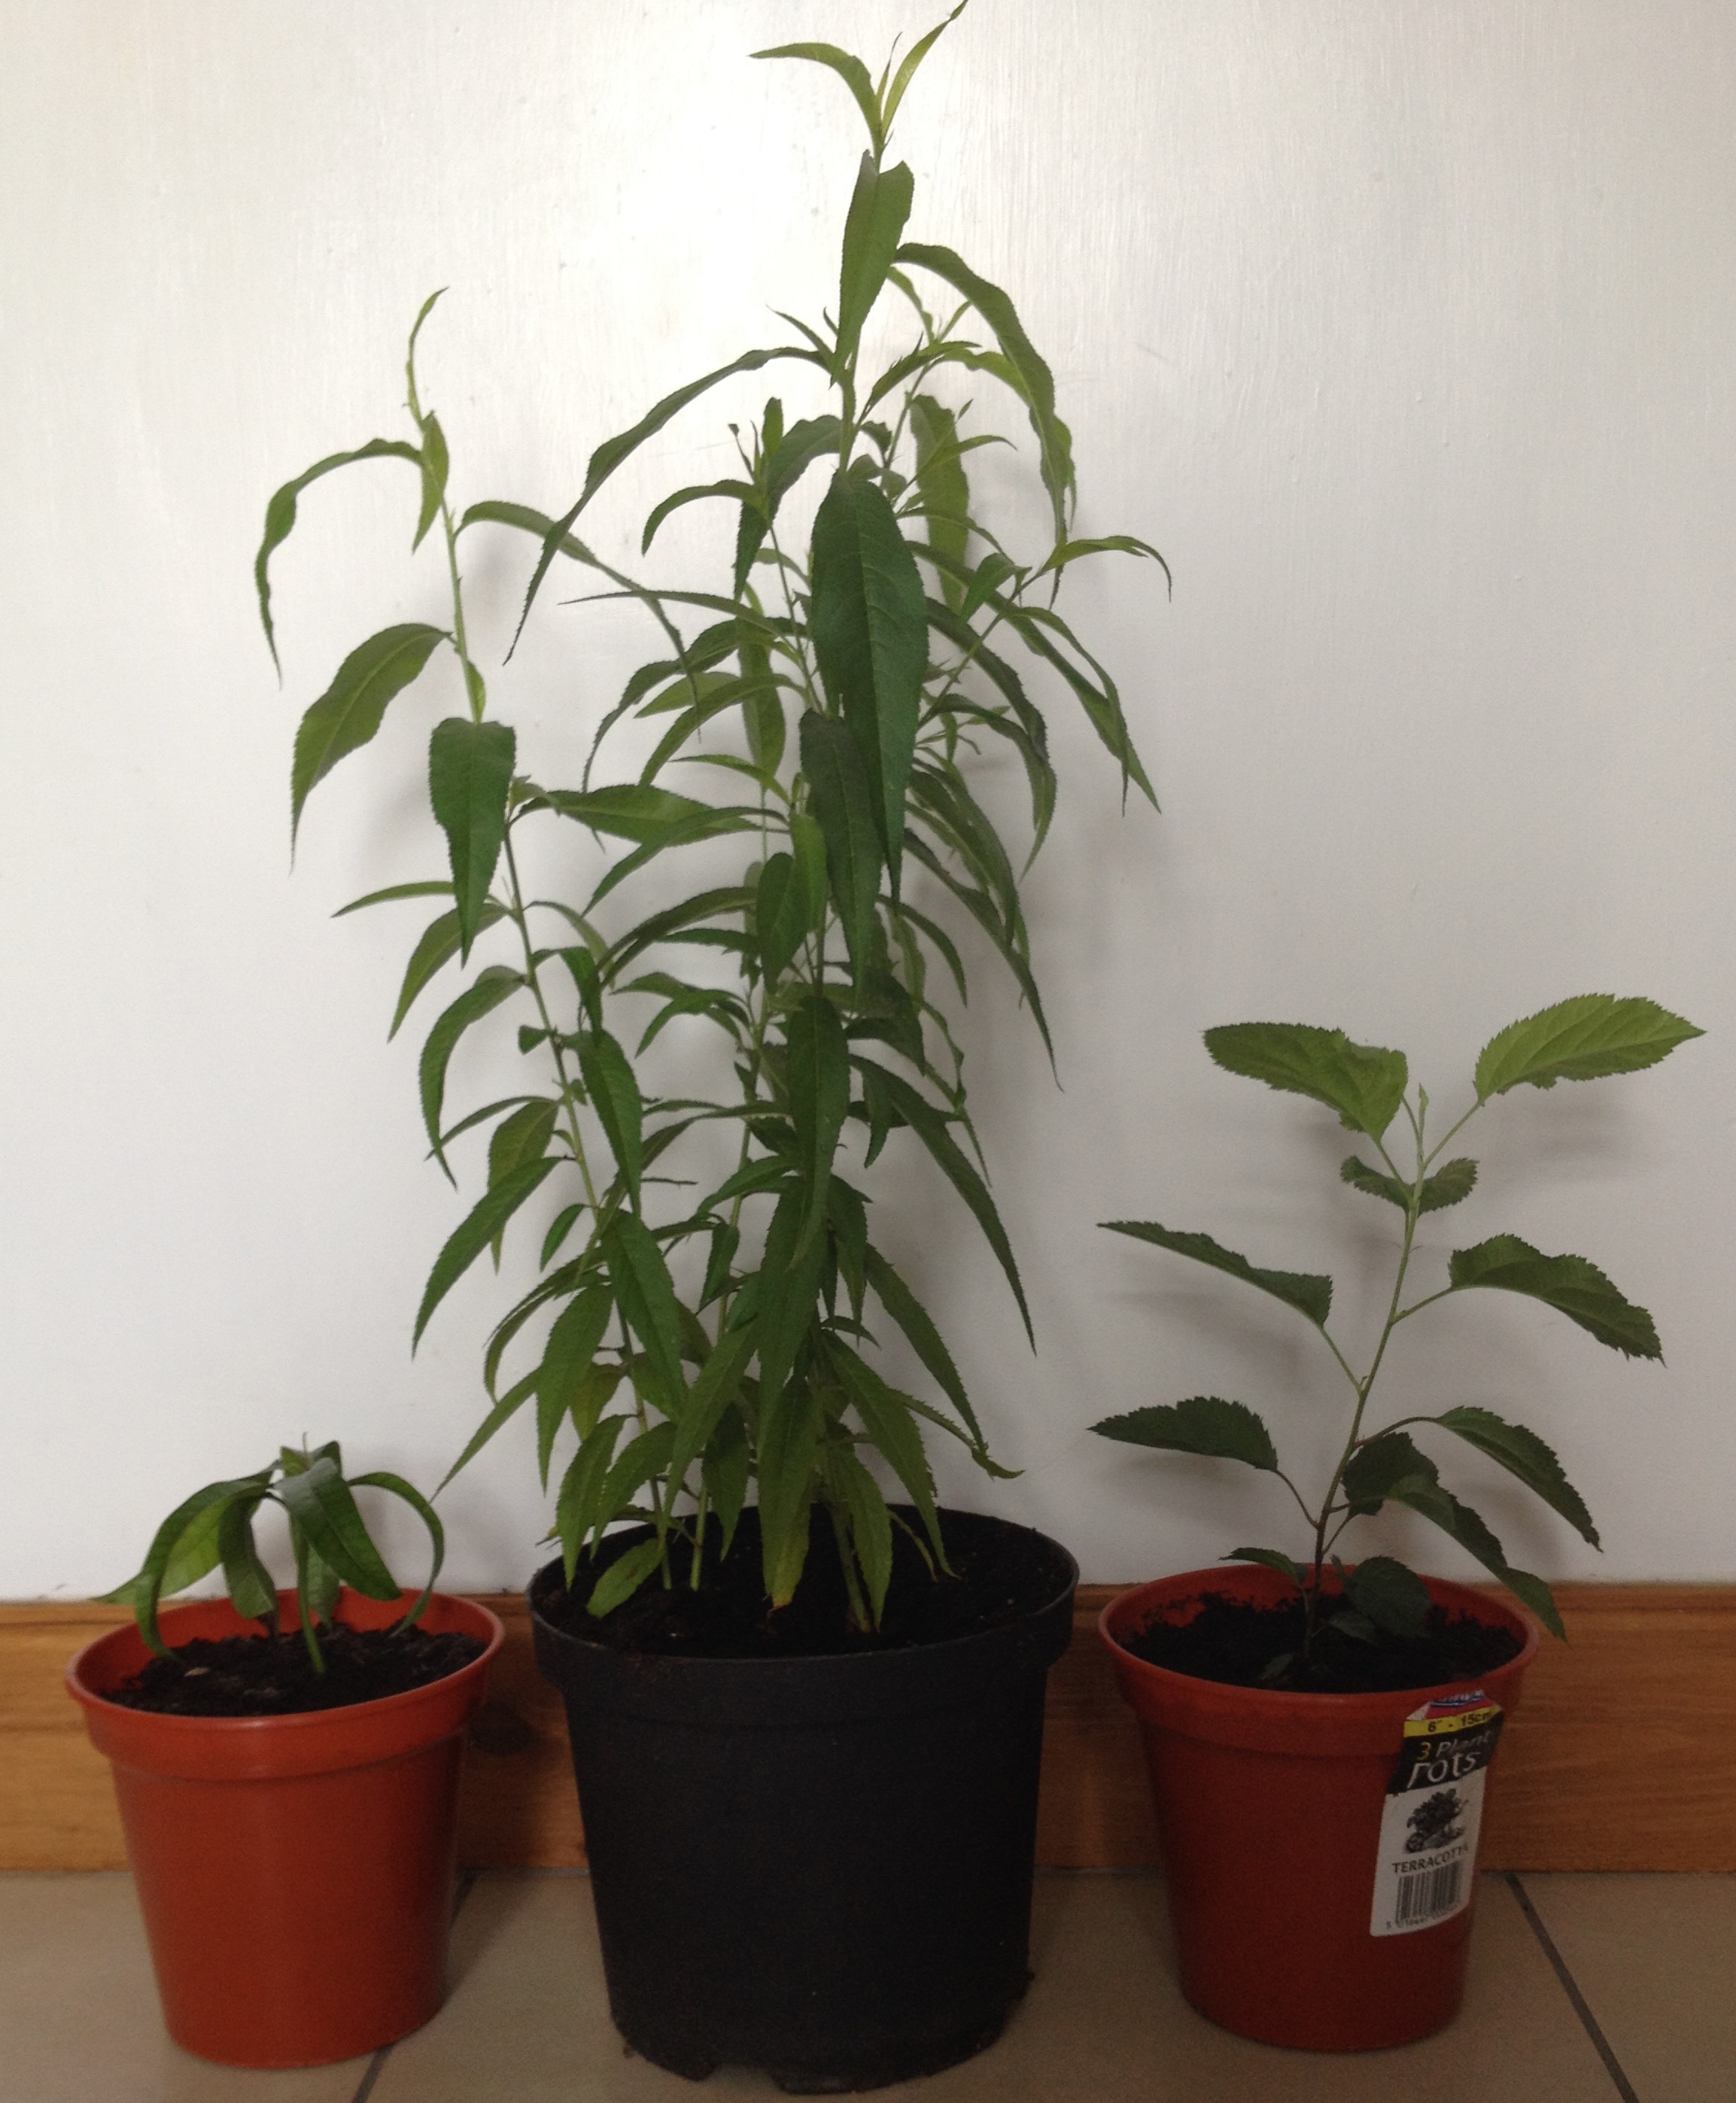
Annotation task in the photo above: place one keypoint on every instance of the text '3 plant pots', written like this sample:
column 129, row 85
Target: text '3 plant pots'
column 1315, row 1903
column 819, row 1865
column 295, row 1872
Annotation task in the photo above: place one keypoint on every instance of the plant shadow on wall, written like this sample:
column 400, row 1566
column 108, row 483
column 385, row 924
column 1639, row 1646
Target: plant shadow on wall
column 700, row 1348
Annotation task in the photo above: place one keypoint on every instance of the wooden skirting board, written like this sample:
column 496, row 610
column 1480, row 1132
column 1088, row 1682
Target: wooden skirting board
column 1621, row 1757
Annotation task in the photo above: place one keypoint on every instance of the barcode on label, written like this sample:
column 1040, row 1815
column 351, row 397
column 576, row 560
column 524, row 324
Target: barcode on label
column 1430, row 1893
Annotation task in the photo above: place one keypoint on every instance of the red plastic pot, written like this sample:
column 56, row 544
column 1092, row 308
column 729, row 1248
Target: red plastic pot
column 295, row 1872
column 1270, row 1810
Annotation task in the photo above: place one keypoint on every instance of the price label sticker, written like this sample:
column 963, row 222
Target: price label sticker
column 1432, row 1813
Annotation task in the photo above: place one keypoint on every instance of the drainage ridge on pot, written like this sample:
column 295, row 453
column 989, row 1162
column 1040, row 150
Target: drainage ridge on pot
column 818, row 1865
column 295, row 1872
column 1270, row 1808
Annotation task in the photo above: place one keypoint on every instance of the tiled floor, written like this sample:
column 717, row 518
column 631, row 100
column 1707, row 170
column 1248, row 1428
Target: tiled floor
column 1583, row 1989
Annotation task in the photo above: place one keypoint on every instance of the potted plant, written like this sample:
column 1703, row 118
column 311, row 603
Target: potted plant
column 805, row 1721
column 289, row 1798
column 1318, row 1732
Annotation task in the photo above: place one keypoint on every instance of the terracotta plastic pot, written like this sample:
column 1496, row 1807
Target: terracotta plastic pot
column 295, row 1872
column 1297, row 1829
column 819, row 1866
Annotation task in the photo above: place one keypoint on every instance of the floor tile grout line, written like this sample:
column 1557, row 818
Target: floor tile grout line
column 466, row 1884
column 1569, row 1986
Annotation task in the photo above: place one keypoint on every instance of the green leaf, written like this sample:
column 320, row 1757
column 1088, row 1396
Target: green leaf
column 252, row 1590
column 1202, row 1424
column 889, row 1419
column 1568, row 1283
column 817, row 1075
column 393, row 892
column 843, row 804
column 716, row 1387
column 945, row 491
column 1375, row 1182
column 762, row 708
column 1471, row 1533
column 783, row 1291
column 930, row 1127
column 186, row 1547
column 1581, row 1039
column 319, row 1501
column 924, row 1338
column 680, row 498
column 436, row 464
column 641, row 1459
column 435, row 950
column 725, row 1471
column 351, row 708
column 280, row 513
column 492, row 986
column 1270, row 1558
column 790, row 1428
column 523, row 1136
column 646, row 1296
column 475, row 1232
column 1522, row 1453
column 1450, row 1184
column 615, row 1096
column 623, row 1578
column 856, row 1501
column 629, row 809
column 711, row 823
column 1363, row 1083
column 1308, row 1291
column 1381, row 1463
column 507, row 1407
column 567, row 1357
column 879, row 205
column 1390, row 1595
column 914, row 58
column 781, row 921
column 581, row 1486
column 470, row 776
column 850, row 69
column 870, row 623
column 382, row 1478
column 1031, row 378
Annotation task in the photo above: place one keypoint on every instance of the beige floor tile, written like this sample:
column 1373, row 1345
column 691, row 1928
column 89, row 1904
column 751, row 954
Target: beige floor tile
column 1655, row 1958
column 78, row 2011
column 528, row 2019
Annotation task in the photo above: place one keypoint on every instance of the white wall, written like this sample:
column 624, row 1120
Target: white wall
column 1403, row 329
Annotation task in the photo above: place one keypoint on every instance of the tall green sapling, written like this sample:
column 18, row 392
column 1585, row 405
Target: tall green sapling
column 1580, row 1039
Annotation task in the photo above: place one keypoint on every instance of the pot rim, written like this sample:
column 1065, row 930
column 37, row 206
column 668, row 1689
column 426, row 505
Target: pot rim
column 95, row 1701
column 884, row 1659
column 1286, row 1703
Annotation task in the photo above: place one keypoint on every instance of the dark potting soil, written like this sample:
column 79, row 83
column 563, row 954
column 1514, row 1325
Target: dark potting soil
column 1234, row 1642
column 999, row 1573
column 274, row 1676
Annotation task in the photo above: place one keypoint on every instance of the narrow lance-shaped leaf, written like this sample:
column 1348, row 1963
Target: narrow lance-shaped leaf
column 817, row 1074
column 469, row 775
column 1202, row 1424
column 383, row 1478
column 492, row 986
column 879, row 205
column 475, row 1232
column 280, row 513
column 646, row 1296
column 581, row 1487
column 319, row 1501
column 842, row 802
column 930, row 1127
column 924, row 1338
column 567, row 1357
column 791, row 1427
column 184, row 1549
column 348, row 712
column 435, row 949
column 252, row 1592
column 1308, row 1291
column 1364, row 1083
column 1573, row 1286
column 940, row 479
column 868, row 618
column 850, row 69
column 623, row 1577
column 1581, row 1039
column 888, row 1418
column 868, row 1526
column 615, row 1096
column 503, row 1411
column 523, row 1136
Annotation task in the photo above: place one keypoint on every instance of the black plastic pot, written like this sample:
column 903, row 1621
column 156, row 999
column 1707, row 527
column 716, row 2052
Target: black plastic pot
column 819, row 1866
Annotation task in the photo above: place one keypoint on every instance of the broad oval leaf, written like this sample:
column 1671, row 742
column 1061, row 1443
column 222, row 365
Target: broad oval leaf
column 1202, row 1424
column 1473, row 1534
column 1390, row 1593
column 351, row 708
column 1522, row 1453
column 1581, row 1039
column 1450, row 1184
column 1364, row 1083
column 1270, row 1558
column 1570, row 1284
column 1308, row 1291
column 1379, row 1465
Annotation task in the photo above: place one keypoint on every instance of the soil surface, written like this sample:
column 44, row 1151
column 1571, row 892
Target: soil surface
column 999, row 1573
column 273, row 1675
column 1235, row 1642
